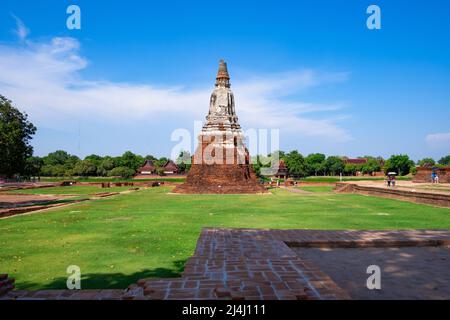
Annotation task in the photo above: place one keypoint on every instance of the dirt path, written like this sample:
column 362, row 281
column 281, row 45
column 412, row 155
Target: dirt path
column 22, row 200
column 296, row 190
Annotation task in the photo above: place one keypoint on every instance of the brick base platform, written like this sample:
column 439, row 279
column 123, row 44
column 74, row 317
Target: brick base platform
column 424, row 197
column 220, row 179
column 253, row 264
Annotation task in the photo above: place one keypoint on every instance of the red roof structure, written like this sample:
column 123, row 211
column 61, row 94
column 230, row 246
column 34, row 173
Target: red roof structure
column 170, row 167
column 147, row 168
column 355, row 161
column 282, row 171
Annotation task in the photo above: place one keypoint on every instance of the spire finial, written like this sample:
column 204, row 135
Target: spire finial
column 223, row 78
column 223, row 71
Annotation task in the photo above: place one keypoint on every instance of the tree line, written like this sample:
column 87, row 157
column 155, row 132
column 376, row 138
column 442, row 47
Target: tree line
column 62, row 164
column 16, row 157
column 318, row 164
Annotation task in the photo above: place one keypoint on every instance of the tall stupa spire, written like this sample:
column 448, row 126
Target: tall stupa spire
column 223, row 78
column 221, row 163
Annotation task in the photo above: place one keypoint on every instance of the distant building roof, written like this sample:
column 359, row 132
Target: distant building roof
column 355, row 161
column 282, row 169
column 170, row 166
column 148, row 166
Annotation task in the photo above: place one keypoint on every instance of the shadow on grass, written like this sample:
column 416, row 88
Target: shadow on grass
column 108, row 280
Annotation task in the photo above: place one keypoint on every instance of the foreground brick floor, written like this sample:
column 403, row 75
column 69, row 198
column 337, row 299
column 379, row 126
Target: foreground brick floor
column 253, row 264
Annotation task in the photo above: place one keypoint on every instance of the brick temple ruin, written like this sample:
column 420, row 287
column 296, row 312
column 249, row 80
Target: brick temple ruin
column 423, row 174
column 221, row 163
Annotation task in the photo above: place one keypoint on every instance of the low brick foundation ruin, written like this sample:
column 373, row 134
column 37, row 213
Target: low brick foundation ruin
column 220, row 179
column 436, row 199
column 424, row 174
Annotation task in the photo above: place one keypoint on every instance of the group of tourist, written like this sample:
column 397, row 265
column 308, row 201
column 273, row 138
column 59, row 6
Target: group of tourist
column 434, row 177
column 390, row 181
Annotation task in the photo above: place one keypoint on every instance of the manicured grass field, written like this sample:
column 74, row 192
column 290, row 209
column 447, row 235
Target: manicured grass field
column 317, row 188
column 78, row 190
column 149, row 233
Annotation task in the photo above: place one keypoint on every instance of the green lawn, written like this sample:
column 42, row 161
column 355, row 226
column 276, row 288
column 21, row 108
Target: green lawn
column 148, row 233
column 317, row 188
column 78, row 190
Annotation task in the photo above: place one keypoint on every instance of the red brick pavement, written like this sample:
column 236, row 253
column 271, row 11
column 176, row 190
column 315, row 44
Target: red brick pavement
column 259, row 264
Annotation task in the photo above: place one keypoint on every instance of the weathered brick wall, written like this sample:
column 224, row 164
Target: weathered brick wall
column 424, row 174
column 441, row 200
column 231, row 177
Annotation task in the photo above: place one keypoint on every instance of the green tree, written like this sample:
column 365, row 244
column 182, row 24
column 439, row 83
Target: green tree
column 130, row 160
column 351, row 169
column 445, row 161
column 401, row 164
column 150, row 157
column 295, row 163
column 57, row 157
column 426, row 162
column 105, row 165
column 160, row 162
column 96, row 159
column 15, row 135
column 71, row 161
column 278, row 153
column 85, row 168
column 259, row 162
column 33, row 167
column 160, row 171
column 372, row 165
column 184, row 161
column 57, row 170
column 315, row 163
column 59, row 163
column 334, row 165
column 123, row 172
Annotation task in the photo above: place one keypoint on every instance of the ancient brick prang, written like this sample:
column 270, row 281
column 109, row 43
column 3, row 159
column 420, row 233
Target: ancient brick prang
column 221, row 163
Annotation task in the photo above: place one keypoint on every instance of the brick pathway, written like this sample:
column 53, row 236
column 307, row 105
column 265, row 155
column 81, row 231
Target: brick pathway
column 254, row 264
column 259, row 264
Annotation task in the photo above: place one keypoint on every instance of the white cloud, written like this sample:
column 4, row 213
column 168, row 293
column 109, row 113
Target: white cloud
column 262, row 103
column 45, row 80
column 439, row 140
column 21, row 30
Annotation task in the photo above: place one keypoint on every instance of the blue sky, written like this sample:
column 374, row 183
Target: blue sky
column 138, row 70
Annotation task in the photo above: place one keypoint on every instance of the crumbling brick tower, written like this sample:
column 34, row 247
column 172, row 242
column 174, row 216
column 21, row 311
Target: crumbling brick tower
column 221, row 163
